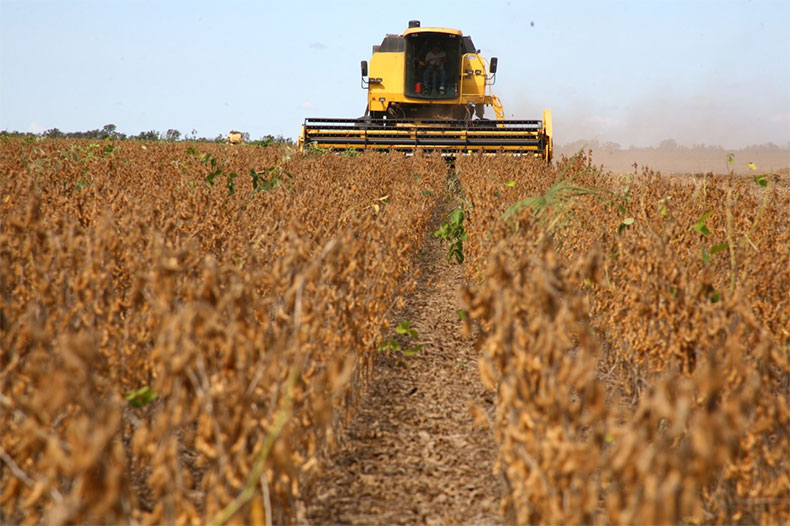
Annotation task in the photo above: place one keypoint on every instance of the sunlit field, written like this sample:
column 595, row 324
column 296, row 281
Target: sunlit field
column 186, row 329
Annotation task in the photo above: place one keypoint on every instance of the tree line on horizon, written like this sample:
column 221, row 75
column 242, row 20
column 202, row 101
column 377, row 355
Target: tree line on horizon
column 110, row 132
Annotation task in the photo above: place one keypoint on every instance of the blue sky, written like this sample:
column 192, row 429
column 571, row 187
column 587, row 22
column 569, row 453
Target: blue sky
column 638, row 72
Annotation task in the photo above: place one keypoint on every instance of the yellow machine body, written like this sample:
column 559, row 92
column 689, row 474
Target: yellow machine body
column 388, row 69
column 403, row 114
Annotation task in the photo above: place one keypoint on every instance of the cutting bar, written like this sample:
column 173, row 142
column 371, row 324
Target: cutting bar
column 449, row 137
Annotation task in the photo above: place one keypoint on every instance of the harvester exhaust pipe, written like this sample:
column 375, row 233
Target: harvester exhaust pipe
column 414, row 23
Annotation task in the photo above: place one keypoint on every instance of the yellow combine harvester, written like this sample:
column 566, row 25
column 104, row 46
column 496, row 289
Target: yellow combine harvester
column 427, row 89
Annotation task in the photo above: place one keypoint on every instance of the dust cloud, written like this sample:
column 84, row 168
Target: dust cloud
column 670, row 158
column 669, row 130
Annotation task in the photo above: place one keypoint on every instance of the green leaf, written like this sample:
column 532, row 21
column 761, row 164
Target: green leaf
column 702, row 229
column 210, row 177
column 761, row 180
column 700, row 225
column 141, row 397
column 705, row 216
column 453, row 231
column 231, row 185
column 718, row 248
column 391, row 345
column 705, row 255
column 510, row 184
column 411, row 350
column 627, row 222
column 456, row 250
column 403, row 327
column 462, row 315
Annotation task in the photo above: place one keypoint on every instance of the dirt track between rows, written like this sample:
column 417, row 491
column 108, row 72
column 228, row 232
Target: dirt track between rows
column 413, row 454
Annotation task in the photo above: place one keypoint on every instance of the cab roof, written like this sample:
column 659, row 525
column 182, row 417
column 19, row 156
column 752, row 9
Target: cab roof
column 447, row 30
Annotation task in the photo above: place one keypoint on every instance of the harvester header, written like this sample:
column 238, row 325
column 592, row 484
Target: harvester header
column 428, row 88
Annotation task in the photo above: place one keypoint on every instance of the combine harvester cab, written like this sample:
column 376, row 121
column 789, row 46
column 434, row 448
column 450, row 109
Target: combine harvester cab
column 407, row 110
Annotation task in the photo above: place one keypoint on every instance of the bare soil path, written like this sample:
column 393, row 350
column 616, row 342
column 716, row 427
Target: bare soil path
column 413, row 454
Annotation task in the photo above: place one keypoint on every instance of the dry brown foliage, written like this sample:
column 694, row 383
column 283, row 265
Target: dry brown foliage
column 642, row 376
column 251, row 315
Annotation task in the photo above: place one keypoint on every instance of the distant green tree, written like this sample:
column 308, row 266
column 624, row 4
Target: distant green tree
column 90, row 134
column 152, row 135
column 271, row 139
column 110, row 132
column 172, row 135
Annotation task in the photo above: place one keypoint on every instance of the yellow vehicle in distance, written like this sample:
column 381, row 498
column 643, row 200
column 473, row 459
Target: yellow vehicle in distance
column 414, row 104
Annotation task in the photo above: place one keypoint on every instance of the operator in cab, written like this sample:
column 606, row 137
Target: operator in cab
column 434, row 71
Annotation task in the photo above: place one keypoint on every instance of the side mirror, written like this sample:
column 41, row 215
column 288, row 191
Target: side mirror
column 364, row 68
column 492, row 65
